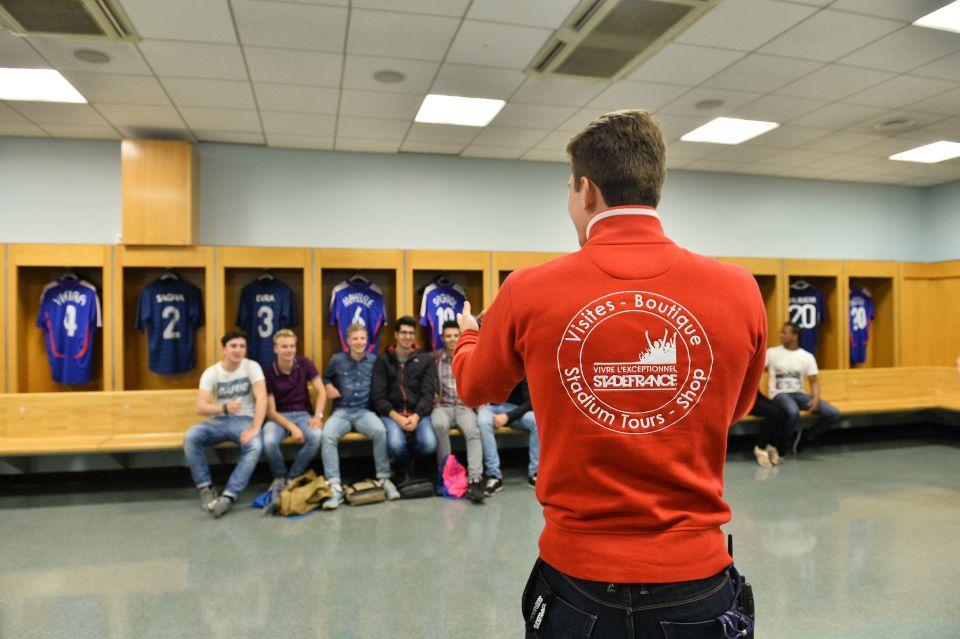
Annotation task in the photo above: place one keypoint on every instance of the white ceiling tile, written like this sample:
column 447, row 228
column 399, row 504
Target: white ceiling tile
column 363, row 145
column 455, row 8
column 57, row 112
column 580, row 119
column 509, row 137
column 947, row 68
column 16, row 52
column 947, row 129
column 376, row 104
column 905, row 49
column 628, row 94
column 761, row 73
column 477, row 82
column 557, row 90
column 10, row 116
column 441, row 133
column 535, row 13
column 200, row 20
column 744, row 25
column 493, row 152
column 842, row 162
column 231, row 137
column 944, row 104
column 533, row 116
column 290, row 97
column 829, row 35
column 684, row 64
column 372, row 128
column 543, row 155
column 294, row 26
column 797, row 157
column 690, row 151
column 191, row 92
column 153, row 117
column 834, row 82
column 686, row 105
column 839, row 116
column 120, row 89
column 310, row 124
column 789, row 135
column 741, row 153
column 712, row 165
column 921, row 119
column 841, row 142
column 287, row 141
column 885, row 148
column 221, row 119
column 311, row 68
column 777, row 108
column 905, row 10
column 358, row 74
column 900, row 91
column 194, row 60
column 556, row 141
column 83, row 131
column 676, row 126
column 24, row 129
column 496, row 45
column 432, row 147
column 400, row 35
column 124, row 57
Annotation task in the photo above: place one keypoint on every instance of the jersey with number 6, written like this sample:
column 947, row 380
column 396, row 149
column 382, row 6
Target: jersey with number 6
column 807, row 310
column 265, row 308
column 440, row 304
column 169, row 311
column 69, row 314
column 358, row 304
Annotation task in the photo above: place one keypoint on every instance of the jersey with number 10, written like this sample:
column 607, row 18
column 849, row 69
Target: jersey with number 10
column 440, row 304
column 807, row 310
column 861, row 314
column 169, row 311
column 358, row 304
column 69, row 313
column 265, row 308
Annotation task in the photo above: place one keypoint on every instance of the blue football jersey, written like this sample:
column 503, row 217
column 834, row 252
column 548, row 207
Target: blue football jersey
column 807, row 310
column 358, row 304
column 169, row 310
column 265, row 308
column 440, row 304
column 861, row 315
column 69, row 314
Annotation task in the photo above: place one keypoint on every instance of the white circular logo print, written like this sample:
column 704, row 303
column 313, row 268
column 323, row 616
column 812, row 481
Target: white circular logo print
column 634, row 362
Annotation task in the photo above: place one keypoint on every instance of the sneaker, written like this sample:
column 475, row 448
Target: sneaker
column 763, row 457
column 208, row 494
column 220, row 506
column 532, row 481
column 475, row 491
column 795, row 445
column 774, row 454
column 493, row 486
column 334, row 501
column 390, row 490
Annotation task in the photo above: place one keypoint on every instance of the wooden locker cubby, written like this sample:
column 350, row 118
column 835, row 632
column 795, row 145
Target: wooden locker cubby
column 882, row 281
column 135, row 268
column 506, row 262
column 826, row 276
column 469, row 269
column 30, row 267
column 3, row 341
column 237, row 266
column 769, row 275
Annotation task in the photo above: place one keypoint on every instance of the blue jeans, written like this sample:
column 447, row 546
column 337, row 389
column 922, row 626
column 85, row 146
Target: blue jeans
column 424, row 440
column 792, row 404
column 491, row 458
column 338, row 425
column 216, row 430
column 274, row 433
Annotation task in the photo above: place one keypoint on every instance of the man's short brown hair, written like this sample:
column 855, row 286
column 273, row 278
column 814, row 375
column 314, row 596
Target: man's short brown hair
column 624, row 154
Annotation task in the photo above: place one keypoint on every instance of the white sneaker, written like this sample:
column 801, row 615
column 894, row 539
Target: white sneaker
column 773, row 454
column 334, row 501
column 762, row 457
column 392, row 493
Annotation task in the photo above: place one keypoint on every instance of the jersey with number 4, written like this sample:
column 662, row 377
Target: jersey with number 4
column 265, row 308
column 69, row 314
column 861, row 315
column 807, row 310
column 440, row 304
column 358, row 304
column 169, row 311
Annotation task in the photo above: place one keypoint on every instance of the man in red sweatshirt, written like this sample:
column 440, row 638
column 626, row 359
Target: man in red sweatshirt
column 639, row 355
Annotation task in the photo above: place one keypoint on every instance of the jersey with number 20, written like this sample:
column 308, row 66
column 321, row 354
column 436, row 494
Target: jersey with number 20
column 69, row 313
column 265, row 308
column 170, row 311
column 358, row 304
column 441, row 303
column 807, row 310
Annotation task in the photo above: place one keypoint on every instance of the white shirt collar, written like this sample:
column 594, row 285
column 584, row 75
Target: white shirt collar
column 626, row 210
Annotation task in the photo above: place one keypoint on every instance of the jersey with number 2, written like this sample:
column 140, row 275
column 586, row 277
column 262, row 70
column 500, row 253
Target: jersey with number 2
column 440, row 304
column 169, row 311
column 265, row 308
column 69, row 313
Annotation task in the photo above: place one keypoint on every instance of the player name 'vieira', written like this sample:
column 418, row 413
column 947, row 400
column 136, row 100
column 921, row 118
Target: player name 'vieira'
column 590, row 316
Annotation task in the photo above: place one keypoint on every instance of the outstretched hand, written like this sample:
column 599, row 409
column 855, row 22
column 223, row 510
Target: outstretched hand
column 466, row 320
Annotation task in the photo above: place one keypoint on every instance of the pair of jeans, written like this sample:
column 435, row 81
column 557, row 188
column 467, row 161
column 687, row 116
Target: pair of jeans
column 424, row 440
column 339, row 424
column 446, row 417
column 580, row 609
column 772, row 424
column 491, row 458
column 792, row 404
column 274, row 434
column 216, row 430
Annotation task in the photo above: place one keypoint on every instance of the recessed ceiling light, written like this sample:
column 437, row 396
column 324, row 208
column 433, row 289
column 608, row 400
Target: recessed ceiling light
column 896, row 124
column 706, row 105
column 452, row 109
column 92, row 56
column 729, row 131
column 389, row 77
column 945, row 18
column 37, row 85
column 930, row 153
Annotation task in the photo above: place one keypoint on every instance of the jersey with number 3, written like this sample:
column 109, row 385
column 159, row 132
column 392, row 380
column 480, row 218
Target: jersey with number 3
column 169, row 311
column 69, row 314
column 440, row 304
column 265, row 308
column 358, row 304
column 807, row 310
column 861, row 315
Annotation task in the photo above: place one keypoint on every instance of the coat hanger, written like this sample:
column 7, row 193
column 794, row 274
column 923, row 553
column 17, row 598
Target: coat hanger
column 266, row 275
column 169, row 274
column 69, row 274
column 443, row 279
column 358, row 279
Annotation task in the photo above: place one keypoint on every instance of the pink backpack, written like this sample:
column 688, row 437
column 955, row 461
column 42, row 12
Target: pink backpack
column 454, row 478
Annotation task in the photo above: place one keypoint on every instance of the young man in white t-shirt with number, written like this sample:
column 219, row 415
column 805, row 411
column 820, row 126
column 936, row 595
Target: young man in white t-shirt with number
column 233, row 398
column 788, row 365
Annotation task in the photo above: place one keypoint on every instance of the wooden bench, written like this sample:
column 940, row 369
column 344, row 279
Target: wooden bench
column 138, row 421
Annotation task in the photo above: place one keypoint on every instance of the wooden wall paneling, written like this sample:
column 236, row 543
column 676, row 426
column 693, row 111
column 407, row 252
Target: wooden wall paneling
column 4, row 337
column 158, row 184
column 135, row 268
column 768, row 272
column 505, row 262
column 929, row 312
column 29, row 268
column 827, row 276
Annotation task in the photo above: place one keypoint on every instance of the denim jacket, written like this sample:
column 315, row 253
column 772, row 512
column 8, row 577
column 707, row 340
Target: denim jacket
column 351, row 378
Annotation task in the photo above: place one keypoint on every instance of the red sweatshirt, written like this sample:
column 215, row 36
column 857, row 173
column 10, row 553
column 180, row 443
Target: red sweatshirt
column 640, row 355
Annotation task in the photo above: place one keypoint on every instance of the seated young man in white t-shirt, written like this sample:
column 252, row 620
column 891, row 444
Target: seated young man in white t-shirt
column 788, row 365
column 233, row 398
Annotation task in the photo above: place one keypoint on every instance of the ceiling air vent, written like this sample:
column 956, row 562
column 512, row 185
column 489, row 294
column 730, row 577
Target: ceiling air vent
column 89, row 19
column 607, row 39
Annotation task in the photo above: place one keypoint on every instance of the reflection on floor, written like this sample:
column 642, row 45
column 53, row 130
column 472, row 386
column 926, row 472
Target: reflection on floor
column 849, row 541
